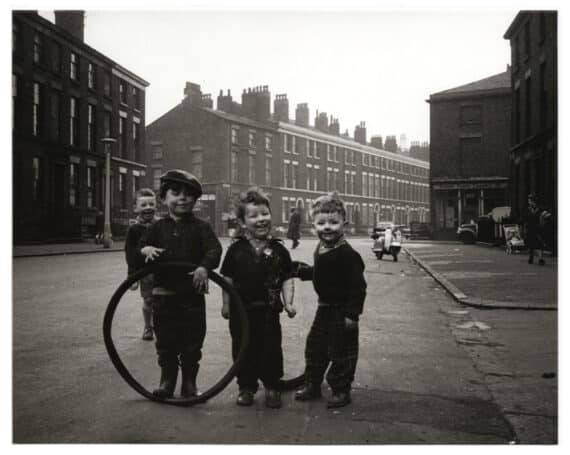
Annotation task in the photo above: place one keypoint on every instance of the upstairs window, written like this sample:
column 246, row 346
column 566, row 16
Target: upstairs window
column 73, row 122
column 91, row 76
column 251, row 139
column 91, row 127
column 135, row 92
column 74, row 67
column 107, row 84
column 197, row 164
column 123, row 92
column 38, row 50
column 37, row 110
column 16, row 38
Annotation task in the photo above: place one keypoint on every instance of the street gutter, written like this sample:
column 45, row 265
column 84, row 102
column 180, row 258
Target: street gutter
column 478, row 302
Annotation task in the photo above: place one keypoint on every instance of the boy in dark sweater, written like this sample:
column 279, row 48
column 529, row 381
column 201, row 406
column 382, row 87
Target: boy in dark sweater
column 179, row 312
column 338, row 279
column 260, row 268
column 145, row 209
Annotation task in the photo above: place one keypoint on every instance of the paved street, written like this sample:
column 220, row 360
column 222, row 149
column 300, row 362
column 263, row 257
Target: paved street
column 431, row 370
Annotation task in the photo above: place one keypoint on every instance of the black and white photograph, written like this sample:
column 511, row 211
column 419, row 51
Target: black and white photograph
column 284, row 225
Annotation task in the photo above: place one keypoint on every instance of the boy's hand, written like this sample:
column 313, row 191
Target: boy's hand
column 134, row 286
column 350, row 323
column 200, row 280
column 290, row 310
column 226, row 310
column 151, row 253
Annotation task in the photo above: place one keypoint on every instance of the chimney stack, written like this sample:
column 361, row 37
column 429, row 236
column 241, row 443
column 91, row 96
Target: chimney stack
column 72, row 21
column 193, row 94
column 334, row 127
column 376, row 141
column 281, row 108
column 322, row 122
column 302, row 114
column 225, row 102
column 360, row 133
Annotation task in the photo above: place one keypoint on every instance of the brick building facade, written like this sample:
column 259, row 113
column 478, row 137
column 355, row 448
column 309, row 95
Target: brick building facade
column 469, row 151
column 66, row 97
column 534, row 145
column 242, row 144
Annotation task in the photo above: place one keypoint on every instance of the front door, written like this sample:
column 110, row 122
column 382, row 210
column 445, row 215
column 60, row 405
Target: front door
column 58, row 200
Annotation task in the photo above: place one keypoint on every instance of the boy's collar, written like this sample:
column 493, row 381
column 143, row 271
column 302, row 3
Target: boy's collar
column 187, row 216
column 340, row 241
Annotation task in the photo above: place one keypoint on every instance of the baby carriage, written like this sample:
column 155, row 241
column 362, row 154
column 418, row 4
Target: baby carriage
column 513, row 240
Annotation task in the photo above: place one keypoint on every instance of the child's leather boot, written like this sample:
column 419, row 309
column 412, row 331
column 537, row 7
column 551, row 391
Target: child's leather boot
column 310, row 391
column 168, row 377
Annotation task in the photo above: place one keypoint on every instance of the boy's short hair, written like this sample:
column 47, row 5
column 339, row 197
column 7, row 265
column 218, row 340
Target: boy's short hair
column 328, row 203
column 254, row 195
column 177, row 178
column 144, row 192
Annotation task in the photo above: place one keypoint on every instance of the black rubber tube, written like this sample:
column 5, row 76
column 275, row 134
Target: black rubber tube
column 122, row 369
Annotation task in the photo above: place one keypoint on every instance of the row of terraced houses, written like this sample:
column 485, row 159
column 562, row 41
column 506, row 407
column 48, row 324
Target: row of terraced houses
column 242, row 144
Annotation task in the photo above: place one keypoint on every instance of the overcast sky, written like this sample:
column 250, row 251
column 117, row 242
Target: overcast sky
column 377, row 66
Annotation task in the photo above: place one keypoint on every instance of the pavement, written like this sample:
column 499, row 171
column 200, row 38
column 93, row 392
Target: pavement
column 483, row 276
column 477, row 275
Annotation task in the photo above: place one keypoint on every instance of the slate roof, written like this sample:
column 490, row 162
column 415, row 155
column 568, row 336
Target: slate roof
column 501, row 81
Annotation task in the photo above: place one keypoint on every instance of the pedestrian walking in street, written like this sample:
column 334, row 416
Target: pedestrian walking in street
column 338, row 278
column 260, row 268
column 145, row 209
column 179, row 313
column 294, row 230
column 533, row 231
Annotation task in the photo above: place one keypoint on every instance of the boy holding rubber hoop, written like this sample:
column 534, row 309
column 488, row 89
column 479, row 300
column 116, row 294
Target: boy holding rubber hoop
column 179, row 314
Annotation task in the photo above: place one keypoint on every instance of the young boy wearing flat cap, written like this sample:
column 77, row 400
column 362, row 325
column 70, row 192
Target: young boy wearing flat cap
column 179, row 315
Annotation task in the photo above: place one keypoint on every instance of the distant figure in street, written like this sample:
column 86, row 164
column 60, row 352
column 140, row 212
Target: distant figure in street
column 179, row 311
column 532, row 219
column 145, row 209
column 99, row 227
column 294, row 230
column 260, row 268
column 338, row 279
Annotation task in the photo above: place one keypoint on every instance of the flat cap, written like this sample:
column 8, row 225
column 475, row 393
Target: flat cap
column 181, row 176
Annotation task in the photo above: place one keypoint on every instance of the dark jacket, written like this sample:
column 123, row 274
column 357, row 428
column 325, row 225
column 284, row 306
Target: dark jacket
column 133, row 256
column 190, row 240
column 338, row 279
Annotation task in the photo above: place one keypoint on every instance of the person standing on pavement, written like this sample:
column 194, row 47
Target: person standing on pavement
column 294, row 230
column 260, row 268
column 179, row 312
column 533, row 233
column 145, row 209
column 338, row 279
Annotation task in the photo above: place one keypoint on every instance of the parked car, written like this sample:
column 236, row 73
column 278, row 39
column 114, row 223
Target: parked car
column 419, row 230
column 387, row 240
column 483, row 229
column 467, row 233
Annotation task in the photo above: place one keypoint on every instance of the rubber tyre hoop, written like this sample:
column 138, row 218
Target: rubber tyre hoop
column 284, row 384
column 122, row 369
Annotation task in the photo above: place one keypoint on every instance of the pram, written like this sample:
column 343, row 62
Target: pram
column 513, row 240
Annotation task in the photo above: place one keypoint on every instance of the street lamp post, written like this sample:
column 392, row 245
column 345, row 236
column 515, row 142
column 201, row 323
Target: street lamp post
column 107, row 242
